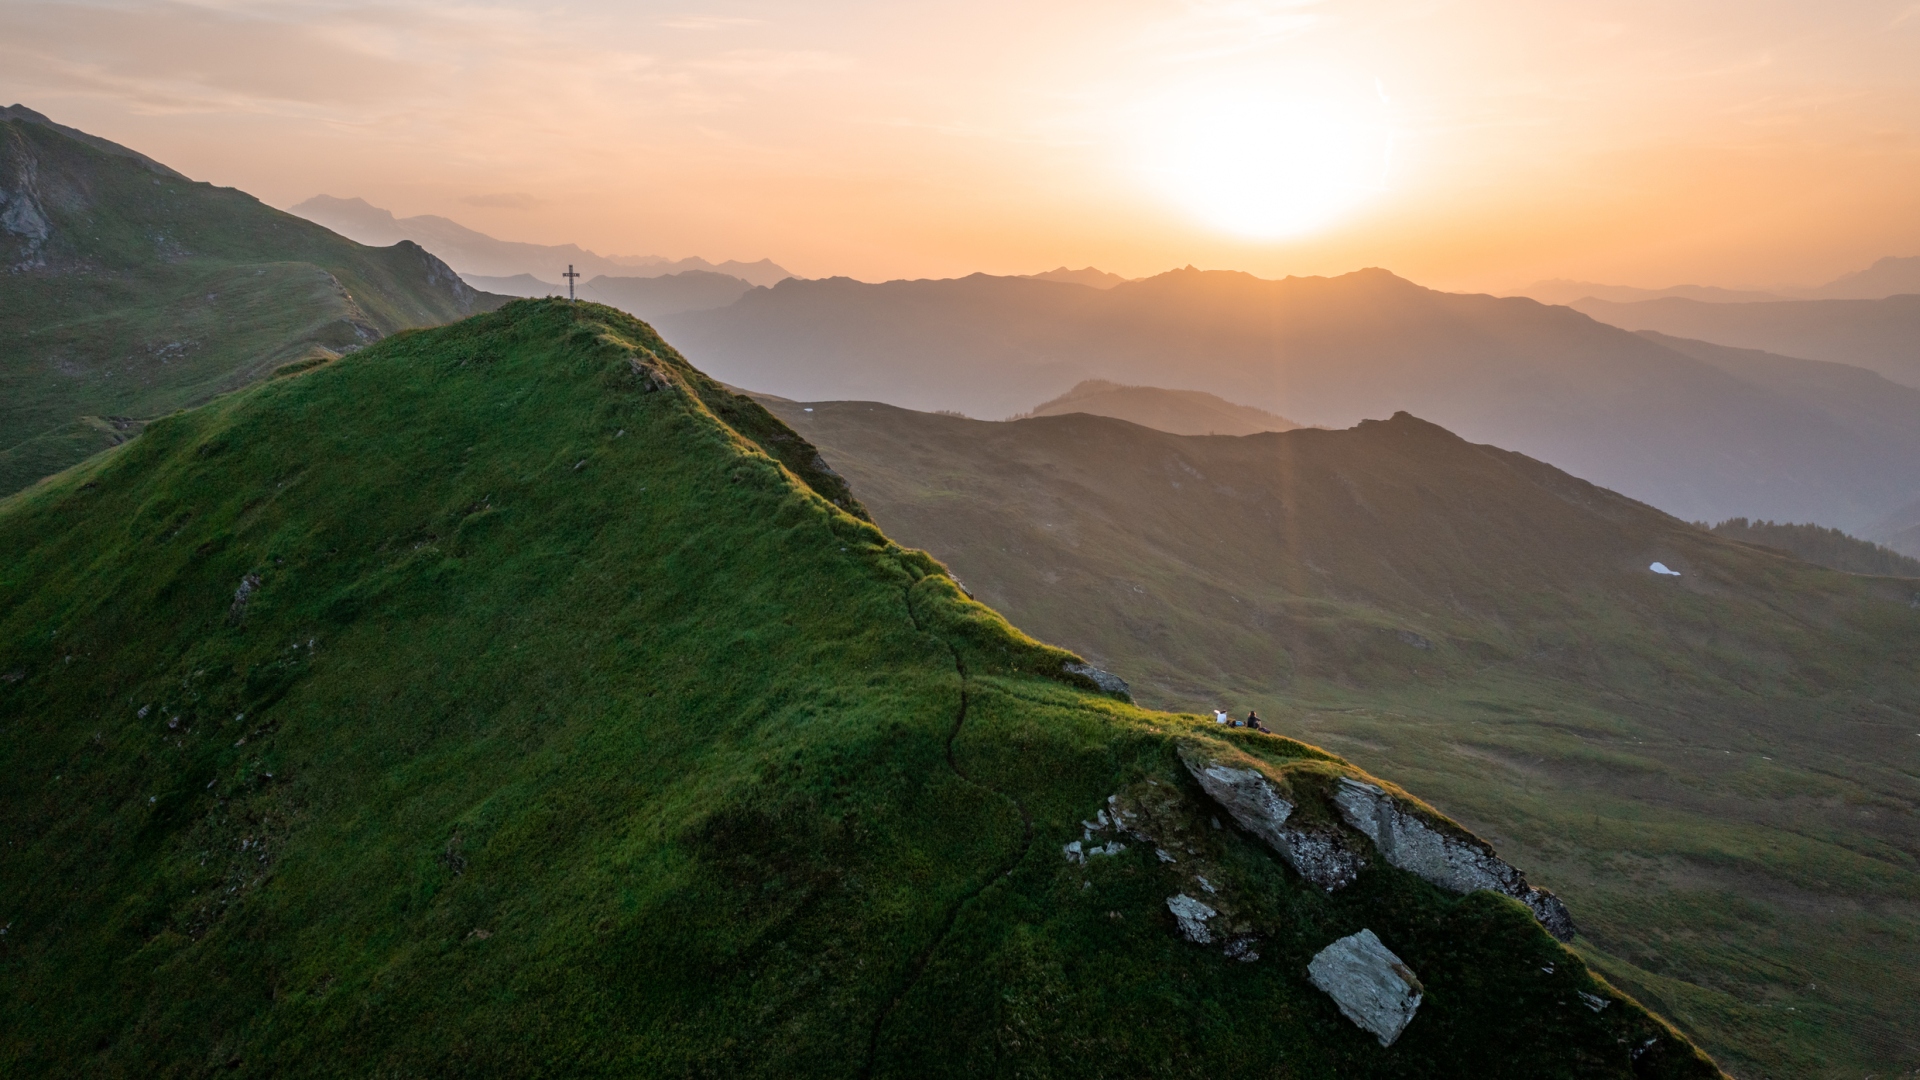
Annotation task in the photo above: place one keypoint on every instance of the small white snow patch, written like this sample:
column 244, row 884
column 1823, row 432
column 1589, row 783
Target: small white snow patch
column 1661, row 568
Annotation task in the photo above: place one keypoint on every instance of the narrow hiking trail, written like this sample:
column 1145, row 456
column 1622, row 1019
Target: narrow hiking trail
column 925, row 958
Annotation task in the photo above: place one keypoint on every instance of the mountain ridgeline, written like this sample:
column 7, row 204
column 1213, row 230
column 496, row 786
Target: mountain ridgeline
column 509, row 697
column 128, row 291
column 472, row 252
column 1715, row 769
column 1701, row 440
column 1181, row 412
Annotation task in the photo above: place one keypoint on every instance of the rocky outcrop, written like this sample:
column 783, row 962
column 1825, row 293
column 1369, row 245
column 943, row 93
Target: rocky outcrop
column 1372, row 986
column 1320, row 855
column 24, row 225
column 1192, row 916
column 1456, row 863
column 1107, row 681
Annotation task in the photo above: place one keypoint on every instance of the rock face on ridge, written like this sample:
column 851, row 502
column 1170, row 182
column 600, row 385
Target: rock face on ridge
column 1453, row 860
column 1320, row 854
column 1458, row 863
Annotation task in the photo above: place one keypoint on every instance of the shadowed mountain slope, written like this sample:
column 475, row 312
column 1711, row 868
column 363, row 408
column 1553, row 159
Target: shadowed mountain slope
column 1180, row 412
column 509, row 699
column 1717, row 769
column 1879, row 335
column 128, row 291
column 1604, row 404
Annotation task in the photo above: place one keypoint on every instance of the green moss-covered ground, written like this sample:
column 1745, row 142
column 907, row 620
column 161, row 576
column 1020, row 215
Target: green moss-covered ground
column 510, row 700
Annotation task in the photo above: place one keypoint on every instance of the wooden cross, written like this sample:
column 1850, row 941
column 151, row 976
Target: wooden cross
column 570, row 275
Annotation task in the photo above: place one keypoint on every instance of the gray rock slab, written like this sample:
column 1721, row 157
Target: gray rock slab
column 1372, row 986
column 1105, row 680
column 1454, row 863
column 1318, row 855
column 1192, row 915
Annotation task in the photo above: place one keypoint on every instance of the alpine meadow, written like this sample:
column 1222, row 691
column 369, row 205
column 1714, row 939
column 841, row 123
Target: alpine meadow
column 1213, row 539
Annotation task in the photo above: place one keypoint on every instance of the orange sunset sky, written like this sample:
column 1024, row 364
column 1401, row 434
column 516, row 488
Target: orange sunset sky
column 1477, row 145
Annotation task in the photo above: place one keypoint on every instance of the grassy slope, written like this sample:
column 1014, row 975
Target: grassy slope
column 567, row 732
column 1717, row 771
column 154, row 293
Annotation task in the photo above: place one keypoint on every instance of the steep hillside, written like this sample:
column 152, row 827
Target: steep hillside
column 128, row 291
column 1181, row 412
column 509, row 699
column 473, row 252
column 1830, row 548
column 1716, row 769
column 1879, row 335
column 1606, row 405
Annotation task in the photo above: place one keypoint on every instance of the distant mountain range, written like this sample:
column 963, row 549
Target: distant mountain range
column 472, row 252
column 128, row 291
column 1086, row 275
column 1890, row 276
column 1880, row 335
column 643, row 297
column 1705, row 439
column 1179, row 412
column 1490, row 625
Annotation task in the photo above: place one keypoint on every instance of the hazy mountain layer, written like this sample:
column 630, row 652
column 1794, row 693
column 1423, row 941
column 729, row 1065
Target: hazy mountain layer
column 1716, row 769
column 1880, row 335
column 1181, row 412
column 1562, row 291
column 511, row 700
column 1086, row 275
column 1899, row 530
column 1691, row 437
column 1890, row 276
column 128, row 291
column 472, row 252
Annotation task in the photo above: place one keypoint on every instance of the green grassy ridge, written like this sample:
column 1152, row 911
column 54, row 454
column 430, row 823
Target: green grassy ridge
column 1716, row 772
column 152, row 293
column 564, row 731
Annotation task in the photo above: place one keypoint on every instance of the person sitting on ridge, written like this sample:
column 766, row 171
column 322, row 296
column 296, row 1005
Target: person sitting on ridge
column 1253, row 721
column 1220, row 716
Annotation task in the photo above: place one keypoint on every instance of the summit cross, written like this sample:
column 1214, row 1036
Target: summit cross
column 570, row 275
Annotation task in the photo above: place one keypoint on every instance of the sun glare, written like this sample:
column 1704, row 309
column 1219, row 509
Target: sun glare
column 1266, row 165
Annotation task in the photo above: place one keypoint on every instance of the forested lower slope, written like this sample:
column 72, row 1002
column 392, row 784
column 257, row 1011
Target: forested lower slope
column 511, row 700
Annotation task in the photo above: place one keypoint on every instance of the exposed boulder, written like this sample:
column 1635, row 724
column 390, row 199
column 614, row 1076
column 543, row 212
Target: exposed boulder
column 1459, row 864
column 1372, row 986
column 1192, row 915
column 1107, row 681
column 1319, row 855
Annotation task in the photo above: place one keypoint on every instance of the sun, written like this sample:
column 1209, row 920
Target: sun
column 1265, row 164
